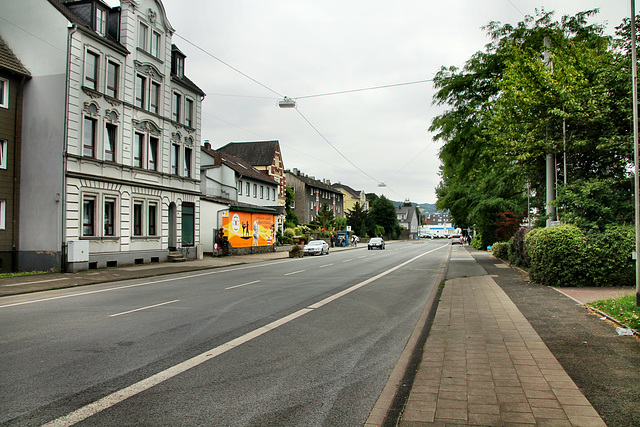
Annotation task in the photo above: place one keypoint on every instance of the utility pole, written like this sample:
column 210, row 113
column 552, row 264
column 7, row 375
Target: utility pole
column 634, row 83
column 551, row 161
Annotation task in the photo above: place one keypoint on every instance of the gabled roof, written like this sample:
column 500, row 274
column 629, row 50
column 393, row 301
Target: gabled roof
column 353, row 193
column 312, row 182
column 409, row 210
column 239, row 165
column 9, row 61
column 258, row 153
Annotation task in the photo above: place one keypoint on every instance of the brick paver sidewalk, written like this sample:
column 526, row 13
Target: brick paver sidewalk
column 484, row 364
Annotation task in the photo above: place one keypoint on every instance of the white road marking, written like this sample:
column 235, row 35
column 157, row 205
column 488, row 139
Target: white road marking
column 363, row 256
column 244, row 284
column 295, row 272
column 37, row 281
column 144, row 308
column 347, row 260
column 326, row 265
column 145, row 384
column 153, row 282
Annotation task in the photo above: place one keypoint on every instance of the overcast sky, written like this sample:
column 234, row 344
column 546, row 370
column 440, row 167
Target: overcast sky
column 301, row 48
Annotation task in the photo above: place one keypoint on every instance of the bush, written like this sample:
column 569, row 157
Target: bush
column 289, row 232
column 611, row 263
column 476, row 242
column 518, row 254
column 559, row 256
column 500, row 250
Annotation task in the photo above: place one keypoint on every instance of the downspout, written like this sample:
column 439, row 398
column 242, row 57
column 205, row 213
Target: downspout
column 17, row 152
column 62, row 198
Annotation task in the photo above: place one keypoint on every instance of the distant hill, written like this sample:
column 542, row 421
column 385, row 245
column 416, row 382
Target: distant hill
column 425, row 208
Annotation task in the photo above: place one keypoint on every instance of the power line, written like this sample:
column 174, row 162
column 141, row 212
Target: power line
column 364, row 89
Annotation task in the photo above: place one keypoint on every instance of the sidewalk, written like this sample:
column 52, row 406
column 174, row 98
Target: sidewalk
column 46, row 281
column 484, row 364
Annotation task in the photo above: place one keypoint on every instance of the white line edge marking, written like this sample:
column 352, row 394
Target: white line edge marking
column 244, row 284
column 144, row 308
column 145, row 384
column 325, row 266
column 135, row 285
column 295, row 272
column 347, row 260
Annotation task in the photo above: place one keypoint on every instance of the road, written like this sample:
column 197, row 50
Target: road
column 307, row 341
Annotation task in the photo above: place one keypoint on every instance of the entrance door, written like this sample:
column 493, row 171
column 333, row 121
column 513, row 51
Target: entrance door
column 173, row 227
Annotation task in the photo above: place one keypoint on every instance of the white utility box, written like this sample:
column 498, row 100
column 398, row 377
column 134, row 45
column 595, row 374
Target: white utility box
column 78, row 251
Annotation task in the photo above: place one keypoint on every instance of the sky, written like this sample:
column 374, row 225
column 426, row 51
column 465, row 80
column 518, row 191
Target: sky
column 247, row 54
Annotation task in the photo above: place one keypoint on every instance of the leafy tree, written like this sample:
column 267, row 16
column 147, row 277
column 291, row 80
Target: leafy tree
column 324, row 219
column 383, row 213
column 357, row 218
column 340, row 223
column 291, row 218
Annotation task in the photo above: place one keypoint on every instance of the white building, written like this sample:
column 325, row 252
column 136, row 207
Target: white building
column 110, row 134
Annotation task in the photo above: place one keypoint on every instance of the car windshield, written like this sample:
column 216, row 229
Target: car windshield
column 376, row 240
column 316, row 243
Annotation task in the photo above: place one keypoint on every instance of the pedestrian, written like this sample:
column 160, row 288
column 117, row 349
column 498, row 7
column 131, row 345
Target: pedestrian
column 333, row 240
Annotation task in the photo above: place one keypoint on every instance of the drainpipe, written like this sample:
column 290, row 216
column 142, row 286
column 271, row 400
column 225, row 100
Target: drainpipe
column 61, row 198
column 17, row 152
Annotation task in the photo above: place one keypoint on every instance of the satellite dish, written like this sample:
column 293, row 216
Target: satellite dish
column 287, row 103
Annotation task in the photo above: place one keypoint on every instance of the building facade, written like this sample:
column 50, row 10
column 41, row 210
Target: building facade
column 118, row 121
column 311, row 194
column 351, row 197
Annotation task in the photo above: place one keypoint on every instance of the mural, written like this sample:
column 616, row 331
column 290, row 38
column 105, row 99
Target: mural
column 244, row 229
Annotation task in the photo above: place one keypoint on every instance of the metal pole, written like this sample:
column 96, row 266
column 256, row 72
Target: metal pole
column 551, row 164
column 634, row 83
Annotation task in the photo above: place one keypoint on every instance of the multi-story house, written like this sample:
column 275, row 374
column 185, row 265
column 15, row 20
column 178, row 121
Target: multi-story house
column 264, row 156
column 238, row 202
column 408, row 218
column 311, row 194
column 13, row 76
column 351, row 197
column 110, row 131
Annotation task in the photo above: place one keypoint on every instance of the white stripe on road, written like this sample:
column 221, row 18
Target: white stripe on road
column 326, row 265
column 145, row 384
column 244, row 284
column 347, row 260
column 144, row 308
column 295, row 272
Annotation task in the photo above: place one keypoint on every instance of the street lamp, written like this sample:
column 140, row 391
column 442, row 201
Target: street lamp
column 287, row 103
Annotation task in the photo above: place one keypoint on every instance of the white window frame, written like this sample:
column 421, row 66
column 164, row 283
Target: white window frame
column 4, row 93
column 101, row 21
column 3, row 214
column 92, row 81
column 156, row 44
column 116, row 88
column 93, row 198
column 143, row 35
column 4, row 146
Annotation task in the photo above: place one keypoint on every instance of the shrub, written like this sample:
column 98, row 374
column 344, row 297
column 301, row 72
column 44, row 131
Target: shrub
column 500, row 250
column 476, row 242
column 611, row 263
column 559, row 256
column 289, row 232
column 518, row 254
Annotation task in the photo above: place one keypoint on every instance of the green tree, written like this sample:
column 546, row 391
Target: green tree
column 383, row 214
column 357, row 219
column 291, row 219
column 324, row 219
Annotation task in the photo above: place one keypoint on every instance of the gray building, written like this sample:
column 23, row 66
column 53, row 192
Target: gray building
column 311, row 194
column 111, row 126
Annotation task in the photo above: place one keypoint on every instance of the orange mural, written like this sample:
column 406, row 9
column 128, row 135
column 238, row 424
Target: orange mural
column 244, row 229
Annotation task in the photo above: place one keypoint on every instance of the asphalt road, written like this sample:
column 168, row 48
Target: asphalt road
column 307, row 341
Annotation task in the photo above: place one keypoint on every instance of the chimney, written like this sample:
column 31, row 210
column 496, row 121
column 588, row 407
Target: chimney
column 207, row 144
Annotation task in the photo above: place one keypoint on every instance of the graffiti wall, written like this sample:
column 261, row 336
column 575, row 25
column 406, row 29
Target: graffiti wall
column 244, row 229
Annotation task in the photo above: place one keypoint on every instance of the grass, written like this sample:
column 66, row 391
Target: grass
column 24, row 273
column 623, row 309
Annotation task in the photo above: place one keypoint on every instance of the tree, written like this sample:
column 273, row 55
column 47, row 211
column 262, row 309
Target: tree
column 324, row 219
column 383, row 213
column 291, row 219
column 357, row 219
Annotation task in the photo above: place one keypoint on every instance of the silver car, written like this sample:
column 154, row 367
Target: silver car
column 316, row 247
column 456, row 239
column 375, row 242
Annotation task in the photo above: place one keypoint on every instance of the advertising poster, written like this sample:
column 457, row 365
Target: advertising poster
column 244, row 229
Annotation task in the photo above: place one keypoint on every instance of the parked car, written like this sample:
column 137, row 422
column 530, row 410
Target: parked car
column 376, row 242
column 456, row 239
column 316, row 247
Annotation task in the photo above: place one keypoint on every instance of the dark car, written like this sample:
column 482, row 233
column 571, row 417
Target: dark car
column 376, row 242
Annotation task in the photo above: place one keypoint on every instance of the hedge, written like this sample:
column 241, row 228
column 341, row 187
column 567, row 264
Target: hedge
column 500, row 250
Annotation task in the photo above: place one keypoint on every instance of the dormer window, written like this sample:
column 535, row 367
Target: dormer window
column 101, row 21
column 177, row 62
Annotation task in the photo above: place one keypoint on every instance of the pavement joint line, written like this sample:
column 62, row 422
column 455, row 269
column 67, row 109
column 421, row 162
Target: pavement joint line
column 37, row 281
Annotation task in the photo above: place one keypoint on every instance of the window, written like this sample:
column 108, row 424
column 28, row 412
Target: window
column 267, row 193
column 155, row 97
column 113, row 71
column 91, row 71
column 143, row 33
column 175, row 153
column 3, row 214
column 137, row 219
column 273, row 193
column 153, row 216
column 188, row 224
column 247, row 192
column 262, row 191
column 141, row 83
column 4, row 93
column 187, row 162
column 89, row 137
column 88, row 216
column 4, row 146
column 239, row 188
column 101, row 21
column 175, row 107
column 110, row 142
column 153, row 153
column 188, row 113
column 155, row 44
column 138, row 143
column 109, row 217
column 255, row 191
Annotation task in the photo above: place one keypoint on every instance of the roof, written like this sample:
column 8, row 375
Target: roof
column 239, row 165
column 258, row 153
column 409, row 210
column 312, row 182
column 353, row 193
column 244, row 207
column 9, row 61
